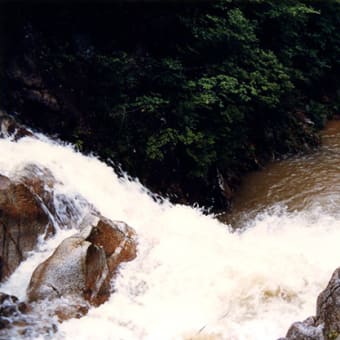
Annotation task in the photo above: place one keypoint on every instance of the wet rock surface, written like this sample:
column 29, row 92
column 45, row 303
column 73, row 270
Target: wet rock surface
column 20, row 320
column 10, row 128
column 63, row 211
column 22, row 221
column 79, row 273
column 305, row 330
column 82, row 266
column 326, row 324
column 12, row 314
column 11, row 311
column 29, row 209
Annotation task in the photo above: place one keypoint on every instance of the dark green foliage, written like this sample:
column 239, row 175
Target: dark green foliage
column 177, row 93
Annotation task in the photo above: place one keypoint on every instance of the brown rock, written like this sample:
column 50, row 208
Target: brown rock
column 29, row 208
column 116, row 238
column 22, row 220
column 65, row 312
column 83, row 265
column 64, row 212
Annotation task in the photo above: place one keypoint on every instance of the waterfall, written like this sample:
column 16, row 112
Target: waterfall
column 194, row 277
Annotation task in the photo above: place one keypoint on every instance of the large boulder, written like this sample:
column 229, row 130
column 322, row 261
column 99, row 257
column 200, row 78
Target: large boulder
column 22, row 221
column 83, row 265
column 326, row 324
column 31, row 208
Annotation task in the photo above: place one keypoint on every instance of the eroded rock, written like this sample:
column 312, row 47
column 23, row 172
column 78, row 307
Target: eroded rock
column 326, row 324
column 22, row 221
column 83, row 265
column 64, row 212
column 30, row 208
column 10, row 128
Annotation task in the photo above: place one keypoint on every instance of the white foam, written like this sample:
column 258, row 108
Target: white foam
column 192, row 278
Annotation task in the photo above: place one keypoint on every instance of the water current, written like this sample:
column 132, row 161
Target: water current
column 195, row 277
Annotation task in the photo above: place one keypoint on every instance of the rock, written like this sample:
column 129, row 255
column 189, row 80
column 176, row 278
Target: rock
column 12, row 311
column 328, row 307
column 73, row 309
column 22, row 221
column 306, row 330
column 326, row 324
column 83, row 265
column 116, row 238
column 30, row 208
column 10, row 128
column 20, row 320
column 65, row 212
column 39, row 180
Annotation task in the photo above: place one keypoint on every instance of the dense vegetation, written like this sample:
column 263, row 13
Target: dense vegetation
column 186, row 96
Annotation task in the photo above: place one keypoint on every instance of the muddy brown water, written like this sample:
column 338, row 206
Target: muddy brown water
column 295, row 184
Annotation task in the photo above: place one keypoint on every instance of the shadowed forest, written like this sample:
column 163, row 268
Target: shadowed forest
column 186, row 96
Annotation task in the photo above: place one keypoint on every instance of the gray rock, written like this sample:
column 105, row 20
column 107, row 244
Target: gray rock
column 305, row 330
column 328, row 307
column 326, row 324
column 83, row 265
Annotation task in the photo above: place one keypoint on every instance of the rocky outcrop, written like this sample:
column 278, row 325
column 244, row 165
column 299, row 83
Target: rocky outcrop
column 326, row 324
column 30, row 208
column 23, row 213
column 10, row 128
column 78, row 274
column 22, row 221
column 82, row 266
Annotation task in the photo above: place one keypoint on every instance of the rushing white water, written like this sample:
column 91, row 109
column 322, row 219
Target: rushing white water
column 193, row 277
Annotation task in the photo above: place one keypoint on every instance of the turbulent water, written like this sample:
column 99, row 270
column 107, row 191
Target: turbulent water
column 194, row 277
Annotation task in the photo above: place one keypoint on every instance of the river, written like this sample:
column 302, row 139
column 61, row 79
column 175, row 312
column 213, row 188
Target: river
column 195, row 277
column 300, row 183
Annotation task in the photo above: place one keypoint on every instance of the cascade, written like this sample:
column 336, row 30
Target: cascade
column 194, row 277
